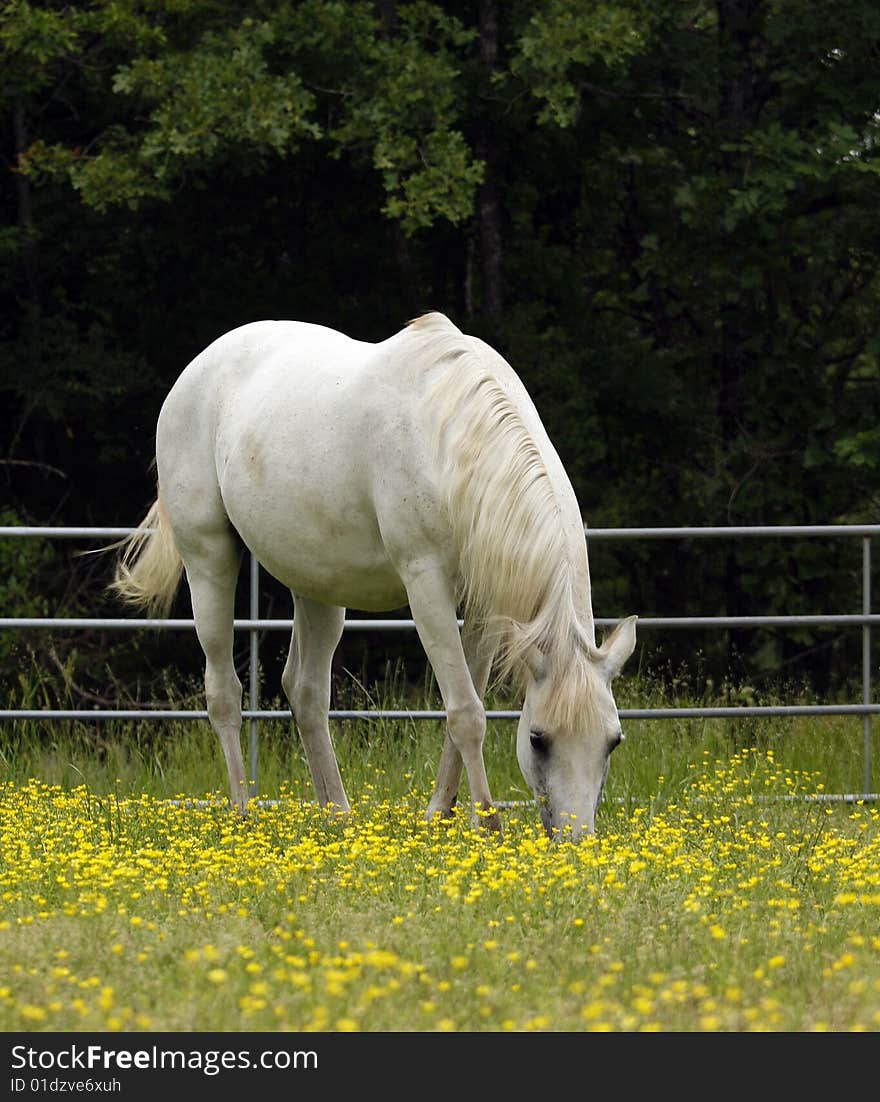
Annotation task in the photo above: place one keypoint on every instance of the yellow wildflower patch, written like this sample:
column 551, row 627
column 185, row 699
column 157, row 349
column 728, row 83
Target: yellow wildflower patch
column 720, row 911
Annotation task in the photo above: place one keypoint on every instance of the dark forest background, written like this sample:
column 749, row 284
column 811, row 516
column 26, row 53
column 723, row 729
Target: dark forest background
column 663, row 213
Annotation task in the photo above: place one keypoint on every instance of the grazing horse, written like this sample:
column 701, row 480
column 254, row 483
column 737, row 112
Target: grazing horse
column 413, row 471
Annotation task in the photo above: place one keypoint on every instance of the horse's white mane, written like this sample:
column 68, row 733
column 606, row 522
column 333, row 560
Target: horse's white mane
column 516, row 575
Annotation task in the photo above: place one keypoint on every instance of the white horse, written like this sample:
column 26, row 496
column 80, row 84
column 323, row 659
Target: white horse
column 414, row 471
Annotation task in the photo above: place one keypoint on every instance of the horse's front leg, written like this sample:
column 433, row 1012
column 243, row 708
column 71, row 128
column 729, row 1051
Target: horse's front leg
column 317, row 630
column 432, row 602
column 478, row 654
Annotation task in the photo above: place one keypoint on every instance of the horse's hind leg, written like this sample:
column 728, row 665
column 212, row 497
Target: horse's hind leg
column 478, row 654
column 317, row 630
column 212, row 574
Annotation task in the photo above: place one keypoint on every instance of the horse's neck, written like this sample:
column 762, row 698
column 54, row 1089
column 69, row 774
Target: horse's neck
column 576, row 544
column 583, row 601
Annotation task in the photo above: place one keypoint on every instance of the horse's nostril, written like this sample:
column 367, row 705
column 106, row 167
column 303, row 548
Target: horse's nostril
column 539, row 741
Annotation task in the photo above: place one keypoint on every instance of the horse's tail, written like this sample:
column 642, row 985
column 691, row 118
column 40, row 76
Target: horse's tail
column 149, row 566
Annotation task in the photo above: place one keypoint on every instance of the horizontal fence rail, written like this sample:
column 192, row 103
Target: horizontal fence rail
column 254, row 625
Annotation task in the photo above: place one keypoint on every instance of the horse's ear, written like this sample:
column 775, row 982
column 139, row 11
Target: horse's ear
column 618, row 647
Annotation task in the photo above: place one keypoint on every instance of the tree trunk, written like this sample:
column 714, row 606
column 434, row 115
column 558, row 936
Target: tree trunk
column 740, row 45
column 25, row 215
column 488, row 202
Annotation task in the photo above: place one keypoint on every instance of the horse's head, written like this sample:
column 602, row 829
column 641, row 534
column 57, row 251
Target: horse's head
column 568, row 728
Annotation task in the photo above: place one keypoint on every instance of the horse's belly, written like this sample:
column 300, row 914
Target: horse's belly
column 316, row 538
column 315, row 569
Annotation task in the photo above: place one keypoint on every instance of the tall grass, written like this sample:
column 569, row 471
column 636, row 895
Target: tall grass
column 168, row 758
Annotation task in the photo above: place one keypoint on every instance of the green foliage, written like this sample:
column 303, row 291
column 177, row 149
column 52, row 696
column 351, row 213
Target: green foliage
column 564, row 41
column 861, row 450
column 236, row 95
column 21, row 561
column 32, row 36
column 23, row 564
column 406, row 110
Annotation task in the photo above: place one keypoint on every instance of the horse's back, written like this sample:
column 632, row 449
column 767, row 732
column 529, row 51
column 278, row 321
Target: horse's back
column 236, row 362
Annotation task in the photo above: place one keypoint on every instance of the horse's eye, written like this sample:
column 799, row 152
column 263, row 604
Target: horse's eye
column 539, row 741
column 616, row 741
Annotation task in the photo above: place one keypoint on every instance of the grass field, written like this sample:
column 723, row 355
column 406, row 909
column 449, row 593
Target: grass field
column 724, row 891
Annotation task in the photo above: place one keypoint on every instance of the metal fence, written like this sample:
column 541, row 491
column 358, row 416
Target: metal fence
column 254, row 625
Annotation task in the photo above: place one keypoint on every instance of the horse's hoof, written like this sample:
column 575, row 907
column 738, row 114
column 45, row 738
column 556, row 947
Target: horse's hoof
column 439, row 814
column 336, row 811
column 490, row 822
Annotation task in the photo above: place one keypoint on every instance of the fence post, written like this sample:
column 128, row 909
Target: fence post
column 866, row 661
column 254, row 668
